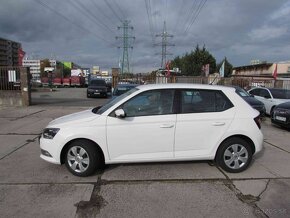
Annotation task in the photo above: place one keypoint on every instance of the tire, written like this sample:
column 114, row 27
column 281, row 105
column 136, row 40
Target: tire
column 82, row 158
column 234, row 155
column 272, row 110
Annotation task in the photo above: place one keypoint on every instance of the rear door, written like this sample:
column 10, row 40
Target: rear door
column 204, row 117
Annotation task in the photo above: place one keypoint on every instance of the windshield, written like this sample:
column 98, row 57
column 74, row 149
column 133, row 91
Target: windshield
column 98, row 82
column 115, row 101
column 241, row 92
column 280, row 93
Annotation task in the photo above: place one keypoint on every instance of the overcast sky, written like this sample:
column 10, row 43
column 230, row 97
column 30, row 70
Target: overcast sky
column 84, row 31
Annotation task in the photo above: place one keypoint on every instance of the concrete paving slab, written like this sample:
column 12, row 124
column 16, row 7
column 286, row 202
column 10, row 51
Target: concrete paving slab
column 17, row 112
column 42, row 200
column 27, row 125
column 207, row 199
column 56, row 112
column 276, row 136
column 10, row 143
column 276, row 161
column 162, row 171
column 25, row 166
column 275, row 201
column 251, row 187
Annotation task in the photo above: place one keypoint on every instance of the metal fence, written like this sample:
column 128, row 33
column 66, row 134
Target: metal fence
column 243, row 82
column 10, row 78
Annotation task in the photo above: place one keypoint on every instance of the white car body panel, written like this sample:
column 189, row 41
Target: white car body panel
column 193, row 136
column 153, row 137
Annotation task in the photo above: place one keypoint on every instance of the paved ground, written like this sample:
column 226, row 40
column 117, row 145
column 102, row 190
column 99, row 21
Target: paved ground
column 30, row 187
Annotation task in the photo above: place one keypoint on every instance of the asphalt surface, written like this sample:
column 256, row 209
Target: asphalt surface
column 31, row 187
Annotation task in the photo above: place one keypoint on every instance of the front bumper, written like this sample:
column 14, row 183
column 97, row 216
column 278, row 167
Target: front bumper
column 50, row 150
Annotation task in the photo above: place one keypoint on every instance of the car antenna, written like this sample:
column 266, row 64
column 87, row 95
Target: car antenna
column 213, row 80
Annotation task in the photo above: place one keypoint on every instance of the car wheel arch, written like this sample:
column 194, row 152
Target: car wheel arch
column 63, row 151
column 246, row 138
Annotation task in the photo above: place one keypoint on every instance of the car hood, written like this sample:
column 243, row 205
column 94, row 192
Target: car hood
column 285, row 105
column 252, row 101
column 83, row 116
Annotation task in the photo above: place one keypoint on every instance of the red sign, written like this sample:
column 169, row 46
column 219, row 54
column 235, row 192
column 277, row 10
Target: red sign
column 275, row 73
column 21, row 55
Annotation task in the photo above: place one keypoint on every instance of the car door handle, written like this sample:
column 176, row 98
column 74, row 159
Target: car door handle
column 218, row 123
column 166, row 126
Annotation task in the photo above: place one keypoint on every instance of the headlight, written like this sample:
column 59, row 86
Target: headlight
column 49, row 133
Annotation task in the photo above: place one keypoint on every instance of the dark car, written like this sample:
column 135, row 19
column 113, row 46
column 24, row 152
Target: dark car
column 251, row 100
column 97, row 87
column 281, row 115
column 122, row 88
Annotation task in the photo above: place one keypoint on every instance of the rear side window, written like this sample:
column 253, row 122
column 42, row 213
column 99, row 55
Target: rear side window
column 201, row 101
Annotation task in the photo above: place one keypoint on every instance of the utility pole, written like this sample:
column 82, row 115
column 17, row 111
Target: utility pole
column 164, row 43
column 125, row 67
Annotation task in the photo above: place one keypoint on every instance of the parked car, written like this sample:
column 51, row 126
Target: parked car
column 271, row 97
column 122, row 88
column 281, row 115
column 251, row 100
column 149, row 123
column 97, row 87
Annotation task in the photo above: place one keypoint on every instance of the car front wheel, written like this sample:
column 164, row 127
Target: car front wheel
column 234, row 155
column 82, row 158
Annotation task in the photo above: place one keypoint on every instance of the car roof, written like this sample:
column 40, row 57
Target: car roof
column 127, row 85
column 183, row 86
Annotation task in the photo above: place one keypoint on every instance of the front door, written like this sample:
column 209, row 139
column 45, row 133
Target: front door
column 147, row 131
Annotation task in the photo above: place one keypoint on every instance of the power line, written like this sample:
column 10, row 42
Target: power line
column 70, row 21
column 119, row 8
column 93, row 18
column 102, row 11
column 189, row 12
column 201, row 5
column 149, row 14
column 112, row 9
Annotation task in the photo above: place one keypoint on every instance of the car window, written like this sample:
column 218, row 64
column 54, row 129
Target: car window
column 154, row 102
column 265, row 93
column 98, row 82
column 115, row 101
column 200, row 101
column 280, row 93
column 255, row 92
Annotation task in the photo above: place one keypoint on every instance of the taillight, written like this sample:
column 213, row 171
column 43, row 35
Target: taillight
column 258, row 121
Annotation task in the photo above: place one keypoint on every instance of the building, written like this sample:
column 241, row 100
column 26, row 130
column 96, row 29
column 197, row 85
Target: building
column 263, row 70
column 9, row 52
column 35, row 67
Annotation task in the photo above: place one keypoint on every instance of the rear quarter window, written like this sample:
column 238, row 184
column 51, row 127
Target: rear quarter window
column 201, row 101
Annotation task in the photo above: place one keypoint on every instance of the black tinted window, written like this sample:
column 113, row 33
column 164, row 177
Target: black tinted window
column 98, row 82
column 255, row 92
column 200, row 101
column 280, row 93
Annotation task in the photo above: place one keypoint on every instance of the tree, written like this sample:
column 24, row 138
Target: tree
column 228, row 67
column 191, row 64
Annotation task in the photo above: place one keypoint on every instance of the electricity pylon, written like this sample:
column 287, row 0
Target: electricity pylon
column 164, row 43
column 125, row 65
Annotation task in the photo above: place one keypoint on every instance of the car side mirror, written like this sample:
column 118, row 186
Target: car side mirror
column 120, row 113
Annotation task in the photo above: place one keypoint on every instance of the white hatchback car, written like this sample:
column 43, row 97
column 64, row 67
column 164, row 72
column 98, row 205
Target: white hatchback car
column 149, row 123
column 271, row 97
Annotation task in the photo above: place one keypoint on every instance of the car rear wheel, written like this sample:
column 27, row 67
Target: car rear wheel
column 82, row 158
column 234, row 155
